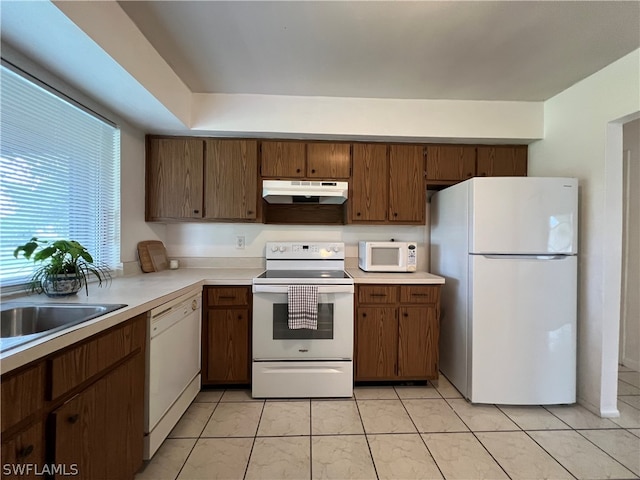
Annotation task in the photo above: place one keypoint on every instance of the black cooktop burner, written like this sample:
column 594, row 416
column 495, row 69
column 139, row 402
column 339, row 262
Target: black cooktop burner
column 311, row 274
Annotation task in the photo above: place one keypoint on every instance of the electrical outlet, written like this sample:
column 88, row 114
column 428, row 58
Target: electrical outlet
column 240, row 242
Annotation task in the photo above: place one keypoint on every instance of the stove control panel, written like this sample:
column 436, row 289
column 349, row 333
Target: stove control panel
column 305, row 251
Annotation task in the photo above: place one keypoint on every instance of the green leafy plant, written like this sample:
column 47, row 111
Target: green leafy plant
column 62, row 261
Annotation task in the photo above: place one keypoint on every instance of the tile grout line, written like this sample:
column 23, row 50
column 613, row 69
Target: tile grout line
column 253, row 443
column 420, row 433
column 604, row 451
column 366, row 438
column 199, row 437
column 310, row 439
column 549, row 453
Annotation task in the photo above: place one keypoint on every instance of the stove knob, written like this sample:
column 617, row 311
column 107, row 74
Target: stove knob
column 282, row 248
column 336, row 249
column 274, row 248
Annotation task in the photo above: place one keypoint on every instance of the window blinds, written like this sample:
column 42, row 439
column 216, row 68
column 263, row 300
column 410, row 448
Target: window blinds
column 59, row 175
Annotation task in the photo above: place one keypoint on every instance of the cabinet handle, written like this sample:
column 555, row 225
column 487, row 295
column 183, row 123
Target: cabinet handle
column 297, row 170
column 364, row 315
column 196, row 211
column 405, row 314
column 395, row 214
column 227, row 297
column 239, row 317
column 24, row 452
column 357, row 214
column 377, row 294
column 73, row 418
column 313, row 170
column 419, row 294
column 249, row 212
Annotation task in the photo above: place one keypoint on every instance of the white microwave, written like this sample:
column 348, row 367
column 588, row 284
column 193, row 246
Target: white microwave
column 387, row 256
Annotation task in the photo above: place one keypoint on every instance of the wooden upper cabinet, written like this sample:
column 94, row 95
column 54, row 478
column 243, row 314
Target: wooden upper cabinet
column 305, row 160
column 502, row 160
column 283, row 159
column 174, row 178
column 407, row 189
column 370, row 183
column 328, row 160
column 450, row 162
column 231, row 182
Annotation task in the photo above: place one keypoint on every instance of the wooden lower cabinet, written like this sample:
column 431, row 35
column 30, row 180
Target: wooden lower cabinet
column 78, row 412
column 226, row 336
column 99, row 431
column 24, row 454
column 377, row 337
column 396, row 332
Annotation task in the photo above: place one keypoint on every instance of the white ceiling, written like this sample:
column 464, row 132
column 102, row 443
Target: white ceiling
column 482, row 50
column 316, row 69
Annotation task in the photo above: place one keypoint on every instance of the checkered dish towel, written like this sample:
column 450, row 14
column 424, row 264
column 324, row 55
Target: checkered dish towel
column 303, row 306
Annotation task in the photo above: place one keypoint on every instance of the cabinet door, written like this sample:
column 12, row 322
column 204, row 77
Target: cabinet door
column 231, row 183
column 418, row 342
column 376, row 343
column 407, row 190
column 174, row 178
column 22, row 394
column 23, row 452
column 228, row 341
column 328, row 160
column 502, row 161
column 450, row 162
column 370, row 184
column 283, row 159
column 100, row 430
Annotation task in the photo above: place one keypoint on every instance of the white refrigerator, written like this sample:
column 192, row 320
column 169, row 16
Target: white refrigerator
column 507, row 247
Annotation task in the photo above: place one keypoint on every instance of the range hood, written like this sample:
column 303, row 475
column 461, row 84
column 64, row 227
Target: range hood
column 306, row 192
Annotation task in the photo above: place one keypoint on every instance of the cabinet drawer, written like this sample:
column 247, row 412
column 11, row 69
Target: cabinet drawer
column 419, row 294
column 377, row 294
column 22, row 395
column 74, row 366
column 27, row 447
column 224, row 296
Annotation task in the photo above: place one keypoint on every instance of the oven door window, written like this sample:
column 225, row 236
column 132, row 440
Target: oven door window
column 281, row 330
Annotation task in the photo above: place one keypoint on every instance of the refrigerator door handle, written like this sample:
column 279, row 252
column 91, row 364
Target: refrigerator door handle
column 526, row 257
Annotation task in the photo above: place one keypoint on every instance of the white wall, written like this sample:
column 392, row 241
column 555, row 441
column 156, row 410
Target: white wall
column 133, row 227
column 582, row 139
column 316, row 117
column 630, row 321
column 197, row 241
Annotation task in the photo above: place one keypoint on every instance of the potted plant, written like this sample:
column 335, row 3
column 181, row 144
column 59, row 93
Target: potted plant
column 66, row 267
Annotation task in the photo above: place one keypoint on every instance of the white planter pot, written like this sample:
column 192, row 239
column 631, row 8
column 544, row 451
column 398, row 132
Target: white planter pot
column 62, row 285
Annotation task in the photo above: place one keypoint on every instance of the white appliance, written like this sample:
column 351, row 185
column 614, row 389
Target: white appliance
column 303, row 362
column 305, row 191
column 172, row 378
column 387, row 256
column 507, row 247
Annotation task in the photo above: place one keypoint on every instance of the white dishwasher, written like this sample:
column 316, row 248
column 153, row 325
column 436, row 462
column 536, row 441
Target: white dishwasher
column 172, row 378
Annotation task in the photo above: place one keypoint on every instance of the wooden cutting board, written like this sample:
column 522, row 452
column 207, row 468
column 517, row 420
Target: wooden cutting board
column 153, row 256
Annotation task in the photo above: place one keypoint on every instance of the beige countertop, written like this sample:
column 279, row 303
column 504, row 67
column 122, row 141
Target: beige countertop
column 424, row 278
column 143, row 292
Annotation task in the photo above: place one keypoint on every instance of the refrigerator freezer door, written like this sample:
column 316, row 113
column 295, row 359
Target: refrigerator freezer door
column 523, row 215
column 523, row 330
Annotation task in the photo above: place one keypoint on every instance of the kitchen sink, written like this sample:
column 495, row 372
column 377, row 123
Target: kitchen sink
column 24, row 322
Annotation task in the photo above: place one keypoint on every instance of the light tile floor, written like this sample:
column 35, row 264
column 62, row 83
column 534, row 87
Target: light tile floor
column 401, row 432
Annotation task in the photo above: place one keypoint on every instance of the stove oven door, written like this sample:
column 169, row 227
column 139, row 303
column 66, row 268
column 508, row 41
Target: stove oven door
column 274, row 340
